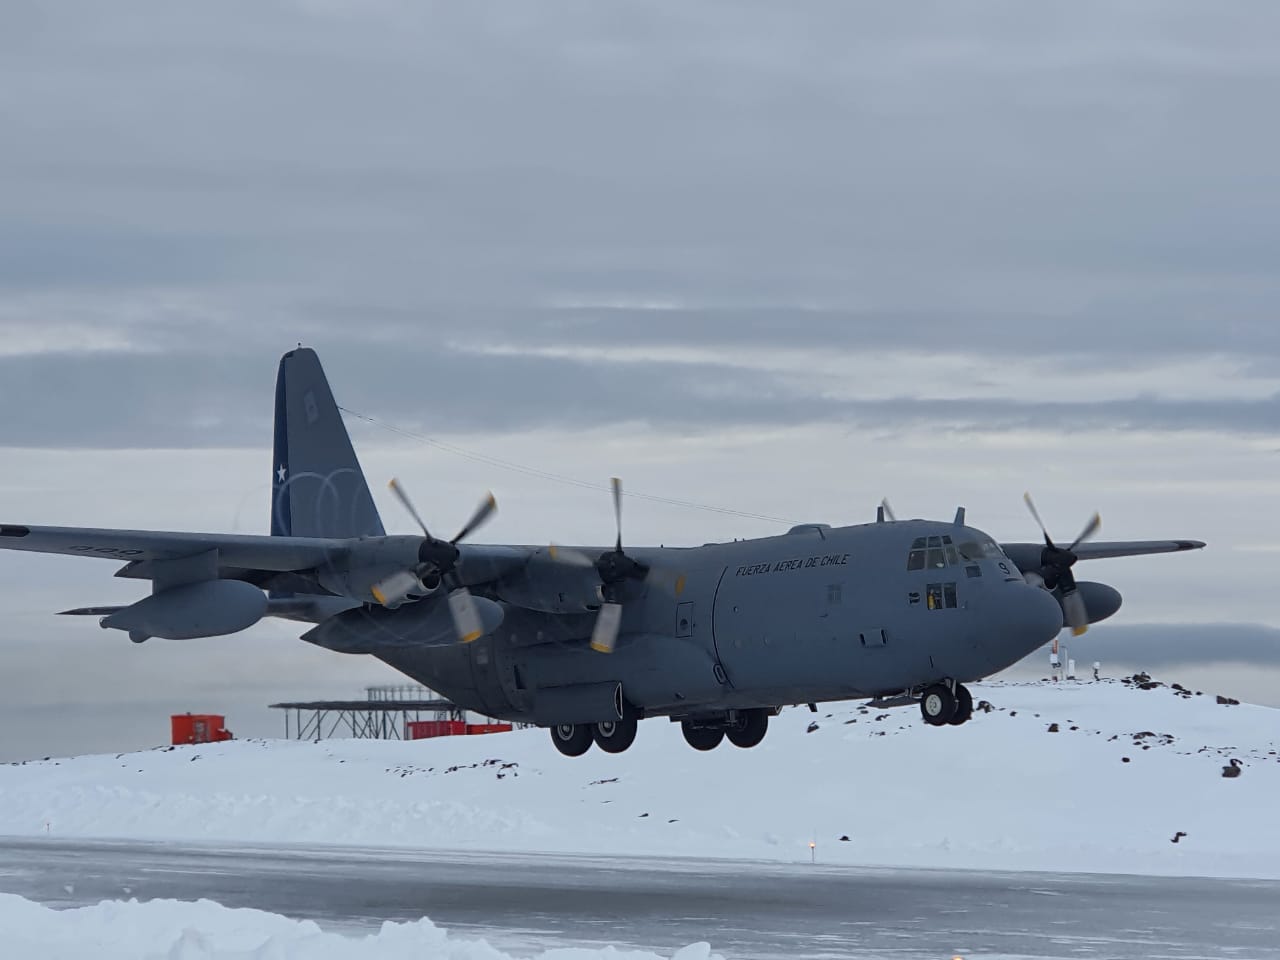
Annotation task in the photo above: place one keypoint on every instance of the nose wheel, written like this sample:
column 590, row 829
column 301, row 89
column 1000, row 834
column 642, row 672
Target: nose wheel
column 941, row 706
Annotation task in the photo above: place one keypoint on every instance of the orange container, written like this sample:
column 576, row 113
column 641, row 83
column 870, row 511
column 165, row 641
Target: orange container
column 426, row 729
column 199, row 728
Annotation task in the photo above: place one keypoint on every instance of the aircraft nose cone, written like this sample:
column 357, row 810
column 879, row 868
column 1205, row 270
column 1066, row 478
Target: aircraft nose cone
column 1039, row 614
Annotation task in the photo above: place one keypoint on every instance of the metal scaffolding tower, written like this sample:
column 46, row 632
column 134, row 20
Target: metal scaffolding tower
column 382, row 715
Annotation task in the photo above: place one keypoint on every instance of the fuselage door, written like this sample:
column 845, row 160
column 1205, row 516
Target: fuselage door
column 684, row 619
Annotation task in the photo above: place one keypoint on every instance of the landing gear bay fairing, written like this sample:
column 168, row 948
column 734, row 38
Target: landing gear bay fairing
column 586, row 641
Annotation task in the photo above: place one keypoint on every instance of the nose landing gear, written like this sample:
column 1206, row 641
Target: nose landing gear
column 944, row 704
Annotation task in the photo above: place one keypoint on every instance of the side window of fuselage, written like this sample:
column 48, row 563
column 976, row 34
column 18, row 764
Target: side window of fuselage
column 941, row 596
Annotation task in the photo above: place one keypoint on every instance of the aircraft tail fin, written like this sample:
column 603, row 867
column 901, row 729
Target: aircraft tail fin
column 317, row 486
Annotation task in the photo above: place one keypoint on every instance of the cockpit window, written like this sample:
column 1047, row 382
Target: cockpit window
column 935, row 553
column 980, row 550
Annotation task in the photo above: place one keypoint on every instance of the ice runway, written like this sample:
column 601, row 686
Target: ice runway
column 745, row 909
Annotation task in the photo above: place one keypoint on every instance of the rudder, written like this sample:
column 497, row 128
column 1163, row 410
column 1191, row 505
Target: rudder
column 317, row 486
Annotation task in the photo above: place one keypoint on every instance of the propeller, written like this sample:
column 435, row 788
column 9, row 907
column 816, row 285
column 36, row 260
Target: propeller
column 1055, row 568
column 616, row 569
column 437, row 562
column 887, row 510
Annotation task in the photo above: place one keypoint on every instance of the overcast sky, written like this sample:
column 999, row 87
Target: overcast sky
column 783, row 260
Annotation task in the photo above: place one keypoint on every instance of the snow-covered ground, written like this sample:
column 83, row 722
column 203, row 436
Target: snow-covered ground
column 1127, row 770
column 172, row 930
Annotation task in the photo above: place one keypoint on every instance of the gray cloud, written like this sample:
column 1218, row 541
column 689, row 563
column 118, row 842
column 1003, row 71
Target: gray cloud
column 222, row 397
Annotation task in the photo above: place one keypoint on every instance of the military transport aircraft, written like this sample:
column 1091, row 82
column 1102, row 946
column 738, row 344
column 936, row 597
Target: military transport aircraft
column 586, row 641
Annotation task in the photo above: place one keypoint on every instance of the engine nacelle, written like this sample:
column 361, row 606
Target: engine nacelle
column 367, row 564
column 369, row 628
column 1100, row 600
column 210, row 608
column 549, row 586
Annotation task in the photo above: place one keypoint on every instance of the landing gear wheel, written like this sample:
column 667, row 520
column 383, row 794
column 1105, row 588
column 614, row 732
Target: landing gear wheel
column 750, row 729
column 964, row 706
column 701, row 738
column 937, row 705
column 614, row 736
column 572, row 739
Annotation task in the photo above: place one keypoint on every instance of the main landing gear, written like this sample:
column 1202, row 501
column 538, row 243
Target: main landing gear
column 743, row 728
column 611, row 736
column 948, row 703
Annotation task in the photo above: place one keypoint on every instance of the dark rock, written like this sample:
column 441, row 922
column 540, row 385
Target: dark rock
column 1178, row 836
column 1228, row 701
column 642, row 816
column 845, row 838
column 985, row 706
column 812, row 727
column 1124, row 759
column 1053, row 728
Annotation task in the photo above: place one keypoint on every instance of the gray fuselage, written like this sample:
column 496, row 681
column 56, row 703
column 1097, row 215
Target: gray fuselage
column 813, row 615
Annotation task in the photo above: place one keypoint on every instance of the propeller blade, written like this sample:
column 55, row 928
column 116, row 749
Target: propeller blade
column 1026, row 497
column 666, row 579
column 616, row 483
column 570, row 557
column 393, row 590
column 408, row 505
column 604, row 636
column 888, row 510
column 466, row 617
column 488, row 506
column 1090, row 529
column 1077, row 615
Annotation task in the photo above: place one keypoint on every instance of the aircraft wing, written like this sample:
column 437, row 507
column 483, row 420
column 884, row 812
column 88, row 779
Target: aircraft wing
column 1027, row 555
column 240, row 556
column 234, row 550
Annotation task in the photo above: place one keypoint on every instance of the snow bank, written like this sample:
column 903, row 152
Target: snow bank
column 204, row 930
column 1127, row 770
